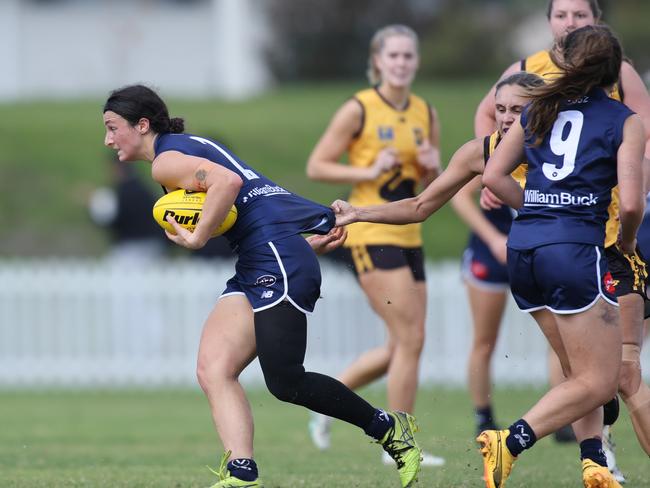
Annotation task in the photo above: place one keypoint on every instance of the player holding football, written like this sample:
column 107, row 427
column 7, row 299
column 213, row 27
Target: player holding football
column 262, row 311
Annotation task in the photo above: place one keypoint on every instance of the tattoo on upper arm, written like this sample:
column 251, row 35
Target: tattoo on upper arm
column 201, row 175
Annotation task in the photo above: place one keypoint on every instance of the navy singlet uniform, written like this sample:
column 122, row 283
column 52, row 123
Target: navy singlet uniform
column 630, row 275
column 555, row 246
column 275, row 263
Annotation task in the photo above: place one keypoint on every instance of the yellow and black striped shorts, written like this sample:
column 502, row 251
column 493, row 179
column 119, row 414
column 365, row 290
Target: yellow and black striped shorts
column 367, row 258
column 629, row 270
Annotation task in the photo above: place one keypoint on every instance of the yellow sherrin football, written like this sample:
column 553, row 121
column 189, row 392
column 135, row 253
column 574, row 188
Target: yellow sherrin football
column 186, row 207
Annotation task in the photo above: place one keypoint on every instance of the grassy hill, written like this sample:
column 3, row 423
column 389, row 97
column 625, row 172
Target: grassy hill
column 52, row 156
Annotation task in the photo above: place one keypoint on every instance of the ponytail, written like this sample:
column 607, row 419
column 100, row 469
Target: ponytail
column 135, row 102
column 590, row 57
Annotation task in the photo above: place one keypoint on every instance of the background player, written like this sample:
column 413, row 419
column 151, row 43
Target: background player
column 391, row 138
column 484, row 261
column 277, row 282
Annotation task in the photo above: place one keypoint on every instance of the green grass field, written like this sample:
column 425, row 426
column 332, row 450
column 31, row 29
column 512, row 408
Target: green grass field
column 52, row 156
column 165, row 438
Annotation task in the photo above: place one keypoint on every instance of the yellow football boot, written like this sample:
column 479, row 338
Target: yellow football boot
column 596, row 476
column 497, row 459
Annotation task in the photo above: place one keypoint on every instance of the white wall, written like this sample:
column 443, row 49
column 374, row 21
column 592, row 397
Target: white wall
column 90, row 323
column 86, row 48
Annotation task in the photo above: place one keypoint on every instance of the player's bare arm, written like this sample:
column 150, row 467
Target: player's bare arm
column 506, row 157
column 428, row 155
column 324, row 162
column 173, row 169
column 630, row 181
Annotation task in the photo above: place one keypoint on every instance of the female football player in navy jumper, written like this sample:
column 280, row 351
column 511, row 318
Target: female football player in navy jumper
column 563, row 17
column 483, row 266
column 276, row 283
column 578, row 144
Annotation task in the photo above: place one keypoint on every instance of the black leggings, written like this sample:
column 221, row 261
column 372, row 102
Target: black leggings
column 281, row 335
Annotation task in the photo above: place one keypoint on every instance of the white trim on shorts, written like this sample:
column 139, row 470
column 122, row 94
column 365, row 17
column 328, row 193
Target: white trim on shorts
column 587, row 307
column 469, row 278
column 286, row 286
column 230, row 294
column 534, row 309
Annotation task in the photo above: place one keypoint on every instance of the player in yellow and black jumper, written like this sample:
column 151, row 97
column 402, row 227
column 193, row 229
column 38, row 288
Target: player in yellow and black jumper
column 391, row 139
column 629, row 271
column 483, row 266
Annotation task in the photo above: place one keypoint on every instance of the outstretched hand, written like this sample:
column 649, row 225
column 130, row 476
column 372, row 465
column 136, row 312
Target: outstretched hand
column 344, row 212
column 330, row 241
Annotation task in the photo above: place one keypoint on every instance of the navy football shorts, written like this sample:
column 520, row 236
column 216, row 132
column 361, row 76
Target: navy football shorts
column 481, row 269
column 286, row 269
column 563, row 277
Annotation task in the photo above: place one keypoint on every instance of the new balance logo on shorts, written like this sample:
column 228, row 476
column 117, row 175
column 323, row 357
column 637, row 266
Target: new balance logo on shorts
column 267, row 294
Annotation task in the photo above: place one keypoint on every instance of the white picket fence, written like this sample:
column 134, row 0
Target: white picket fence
column 96, row 324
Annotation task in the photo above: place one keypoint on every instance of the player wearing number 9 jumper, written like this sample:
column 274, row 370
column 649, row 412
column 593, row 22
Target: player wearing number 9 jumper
column 277, row 282
column 555, row 258
column 629, row 272
column 579, row 144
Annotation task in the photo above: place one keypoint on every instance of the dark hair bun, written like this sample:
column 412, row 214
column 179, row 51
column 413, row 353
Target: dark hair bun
column 176, row 125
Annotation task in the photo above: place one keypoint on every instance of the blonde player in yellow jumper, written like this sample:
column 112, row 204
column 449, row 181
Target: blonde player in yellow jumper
column 391, row 139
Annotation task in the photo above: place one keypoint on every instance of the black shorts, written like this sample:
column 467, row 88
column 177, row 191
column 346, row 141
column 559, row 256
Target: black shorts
column 366, row 258
column 629, row 272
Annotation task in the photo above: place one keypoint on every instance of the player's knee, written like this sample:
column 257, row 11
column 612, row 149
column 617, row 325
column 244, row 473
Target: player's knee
column 211, row 370
column 411, row 337
column 206, row 374
column 483, row 349
column 599, row 386
column 285, row 392
column 284, row 383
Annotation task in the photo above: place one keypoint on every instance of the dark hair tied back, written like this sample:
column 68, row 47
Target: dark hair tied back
column 135, row 102
column 176, row 125
column 589, row 57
